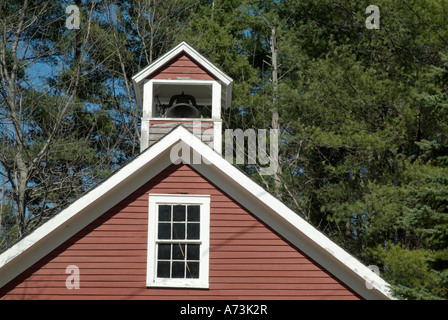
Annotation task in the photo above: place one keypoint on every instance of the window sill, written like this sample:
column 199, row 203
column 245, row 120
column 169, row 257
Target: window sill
column 189, row 284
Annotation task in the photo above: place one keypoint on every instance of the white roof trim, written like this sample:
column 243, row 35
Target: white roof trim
column 83, row 211
column 139, row 78
column 182, row 47
column 287, row 221
column 238, row 185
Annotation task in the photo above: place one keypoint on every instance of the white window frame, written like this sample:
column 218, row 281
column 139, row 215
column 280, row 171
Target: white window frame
column 151, row 267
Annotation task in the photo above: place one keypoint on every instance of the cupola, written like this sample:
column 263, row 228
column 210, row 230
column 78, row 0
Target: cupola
column 182, row 87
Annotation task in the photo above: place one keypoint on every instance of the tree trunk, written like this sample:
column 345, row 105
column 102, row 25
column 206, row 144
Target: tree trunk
column 2, row 199
column 275, row 117
column 21, row 200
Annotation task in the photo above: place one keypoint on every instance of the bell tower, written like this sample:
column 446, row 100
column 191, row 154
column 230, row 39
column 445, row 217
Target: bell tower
column 182, row 87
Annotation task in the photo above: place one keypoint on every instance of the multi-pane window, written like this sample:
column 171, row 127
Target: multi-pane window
column 178, row 240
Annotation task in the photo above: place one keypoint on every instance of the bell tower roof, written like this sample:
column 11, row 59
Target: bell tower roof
column 183, row 63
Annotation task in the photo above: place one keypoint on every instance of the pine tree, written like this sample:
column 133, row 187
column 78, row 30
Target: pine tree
column 362, row 112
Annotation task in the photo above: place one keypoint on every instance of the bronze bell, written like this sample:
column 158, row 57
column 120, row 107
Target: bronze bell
column 182, row 106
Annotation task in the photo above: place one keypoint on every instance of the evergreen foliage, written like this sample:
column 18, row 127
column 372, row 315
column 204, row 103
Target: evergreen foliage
column 363, row 113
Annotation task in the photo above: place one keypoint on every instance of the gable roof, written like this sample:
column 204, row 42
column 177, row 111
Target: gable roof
column 139, row 78
column 226, row 176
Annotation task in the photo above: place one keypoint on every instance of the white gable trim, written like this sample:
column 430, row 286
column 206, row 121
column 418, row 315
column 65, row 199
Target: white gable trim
column 226, row 176
column 287, row 223
column 83, row 211
column 182, row 47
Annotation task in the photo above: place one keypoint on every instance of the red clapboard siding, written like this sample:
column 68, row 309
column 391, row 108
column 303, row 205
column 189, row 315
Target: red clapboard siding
column 182, row 67
column 158, row 128
column 248, row 260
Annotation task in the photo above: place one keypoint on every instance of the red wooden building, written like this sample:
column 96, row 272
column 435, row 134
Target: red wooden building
column 179, row 221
